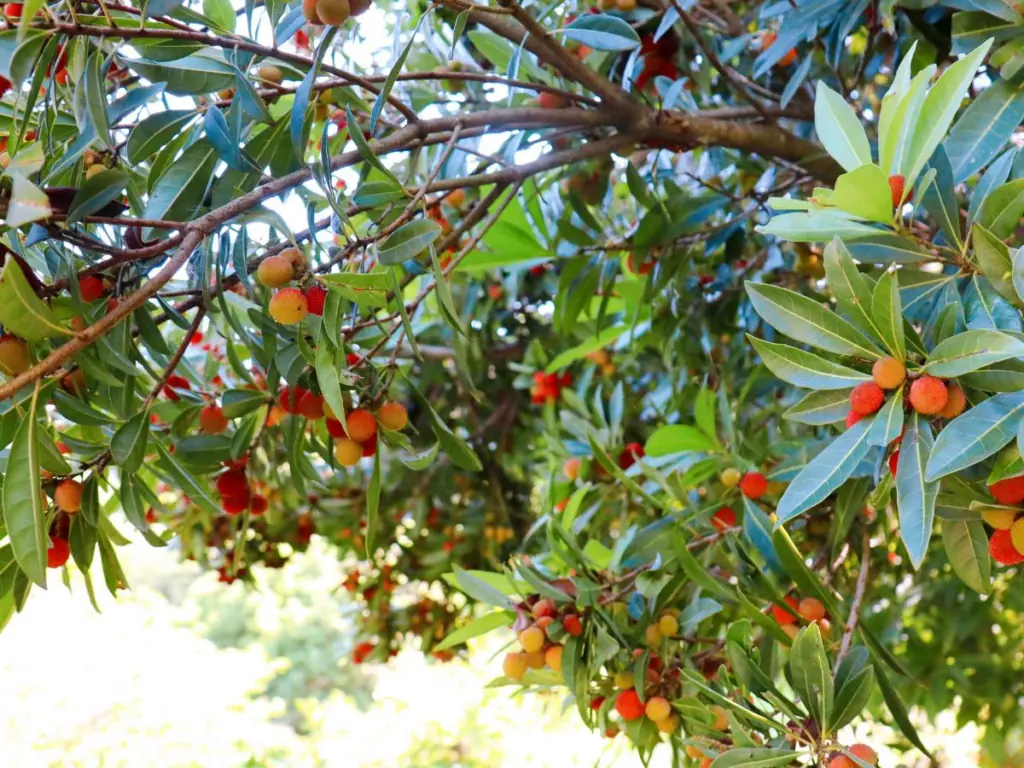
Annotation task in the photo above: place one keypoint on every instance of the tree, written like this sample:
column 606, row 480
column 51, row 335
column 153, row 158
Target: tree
column 683, row 338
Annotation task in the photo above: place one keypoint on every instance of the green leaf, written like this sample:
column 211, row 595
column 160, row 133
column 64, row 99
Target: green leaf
column 939, row 108
column 592, row 344
column 97, row 191
column 479, row 589
column 975, row 435
column 971, row 350
column 155, row 131
column 327, row 376
column 993, row 257
column 967, row 549
column 128, row 446
column 676, row 438
column 96, row 97
column 854, row 684
column 372, row 504
column 603, row 32
column 1002, row 208
column 840, row 130
column 23, row 510
column 820, row 408
column 457, row 449
column 22, row 312
column 865, row 193
column 825, row 472
column 238, row 402
column 805, row 369
column 186, row 482
column 939, row 197
column 887, row 312
column 810, row 673
column 28, row 203
column 221, row 13
column 848, row 285
column 888, row 423
column 179, row 192
column 364, row 149
column 816, row 227
column 478, row 626
column 408, row 241
column 389, row 81
column 984, row 128
column 915, row 496
column 754, row 757
column 804, row 319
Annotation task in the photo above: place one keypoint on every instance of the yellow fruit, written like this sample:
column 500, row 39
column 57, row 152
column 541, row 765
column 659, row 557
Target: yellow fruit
column 92, row 170
column 668, row 625
column 553, row 658
column 68, row 496
column 289, row 306
column 534, row 659
column 658, row 708
column 532, row 639
column 14, row 355
column 275, row 271
column 1000, row 519
column 888, row 372
column 652, row 635
column 624, row 680
column 393, row 416
column 348, row 452
column 730, row 477
column 625, row 5
column 268, row 73
column 297, row 258
column 669, row 724
column 721, row 719
column 333, row 13
column 1016, row 535
column 514, row 666
column 226, row 94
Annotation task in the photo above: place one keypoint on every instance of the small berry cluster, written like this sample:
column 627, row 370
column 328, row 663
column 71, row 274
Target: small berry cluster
column 290, row 305
column 236, row 496
column 1006, row 544
column 928, row 395
column 540, row 638
column 809, row 609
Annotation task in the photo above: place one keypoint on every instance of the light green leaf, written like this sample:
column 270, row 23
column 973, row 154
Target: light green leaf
column 816, row 227
column 967, row 549
column 993, row 257
column 825, row 472
column 839, row 129
column 864, row 192
column 28, row 203
column 971, row 350
column 479, row 626
column 128, row 446
column 805, row 369
column 1002, row 208
column 676, row 438
column 915, row 496
column 23, row 510
column 22, row 312
column 851, row 290
column 754, row 757
column 594, row 343
column 408, row 241
column 975, row 435
column 804, row 319
column 811, row 675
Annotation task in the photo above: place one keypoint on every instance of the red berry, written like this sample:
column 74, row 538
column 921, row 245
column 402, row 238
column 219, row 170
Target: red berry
column 753, row 485
column 629, row 706
column 175, row 381
column 91, row 288
column 572, row 625
column 632, row 453
column 894, row 460
column 316, row 295
column 866, row 398
column 852, row 418
column 1000, row 546
column 290, row 397
column 723, row 519
column 896, row 186
column 58, row 553
column 232, row 483
column 236, row 505
column 1008, row 491
column 258, row 504
column 783, row 616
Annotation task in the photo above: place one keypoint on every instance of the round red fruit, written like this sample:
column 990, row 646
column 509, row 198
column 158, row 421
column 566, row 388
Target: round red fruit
column 866, row 398
column 753, row 485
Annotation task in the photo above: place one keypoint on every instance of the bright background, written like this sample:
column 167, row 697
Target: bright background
column 185, row 672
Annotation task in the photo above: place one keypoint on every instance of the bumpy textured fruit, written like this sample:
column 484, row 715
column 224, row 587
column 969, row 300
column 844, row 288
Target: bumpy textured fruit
column 531, row 639
column 348, row 452
column 232, row 483
column 1000, row 547
column 723, row 519
column 58, row 553
column 657, row 708
column 781, row 615
column 955, row 403
column 275, row 271
column 544, row 608
column 309, row 11
column 361, row 425
column 514, row 666
column 653, row 635
column 860, row 751
column 288, row 306
column 1000, row 519
column 852, row 418
column 811, row 609
column 888, row 372
column 270, row 74
column 668, row 625
column 928, row 395
column 896, row 185
column 669, row 724
column 1008, row 491
column 212, row 420
column 333, row 13
column 866, row 398
column 753, row 485
column 91, row 288
column 393, row 416
column 549, row 100
column 14, row 355
column 623, row 680
column 316, row 298
column 572, row 625
column 311, row 405
column 1017, row 536
column 258, row 504
column 629, row 706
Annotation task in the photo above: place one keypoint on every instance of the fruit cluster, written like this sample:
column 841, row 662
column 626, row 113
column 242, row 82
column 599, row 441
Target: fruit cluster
column 928, row 395
column 810, row 609
column 541, row 628
column 333, row 13
column 290, row 305
column 236, row 494
column 1006, row 544
column 547, row 387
